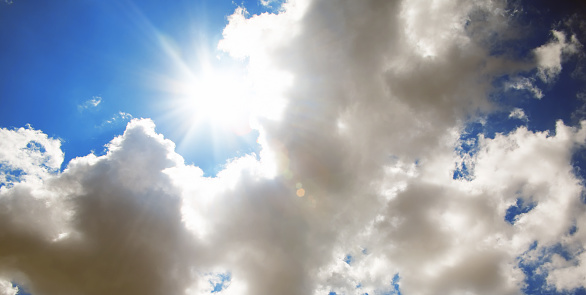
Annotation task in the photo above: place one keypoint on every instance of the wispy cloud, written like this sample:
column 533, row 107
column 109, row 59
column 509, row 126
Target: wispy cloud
column 271, row 3
column 527, row 84
column 90, row 103
column 119, row 118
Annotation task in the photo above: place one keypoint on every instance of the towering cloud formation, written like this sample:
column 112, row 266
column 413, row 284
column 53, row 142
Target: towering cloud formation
column 354, row 191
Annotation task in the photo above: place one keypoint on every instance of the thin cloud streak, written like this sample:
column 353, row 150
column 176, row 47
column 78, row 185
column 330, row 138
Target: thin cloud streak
column 91, row 103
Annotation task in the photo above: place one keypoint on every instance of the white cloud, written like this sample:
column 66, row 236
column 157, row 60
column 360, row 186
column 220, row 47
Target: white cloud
column 91, row 103
column 550, row 56
column 95, row 101
column 28, row 154
column 270, row 3
column 6, row 288
column 518, row 113
column 508, row 167
column 567, row 275
column 118, row 118
column 526, row 84
column 401, row 78
column 139, row 201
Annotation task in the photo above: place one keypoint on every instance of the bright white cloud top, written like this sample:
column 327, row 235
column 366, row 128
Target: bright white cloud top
column 362, row 109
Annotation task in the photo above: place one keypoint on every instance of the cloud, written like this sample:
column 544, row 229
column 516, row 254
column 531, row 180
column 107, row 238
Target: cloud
column 518, row 113
column 106, row 223
column 91, row 103
column 549, row 56
column 109, row 224
column 567, row 275
column 376, row 99
column 6, row 288
column 117, row 119
column 269, row 3
column 555, row 192
column 28, row 155
column 526, row 84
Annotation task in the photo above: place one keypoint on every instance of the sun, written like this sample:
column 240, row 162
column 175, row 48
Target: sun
column 219, row 97
column 213, row 90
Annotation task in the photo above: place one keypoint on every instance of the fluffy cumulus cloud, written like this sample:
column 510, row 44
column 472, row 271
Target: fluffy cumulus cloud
column 27, row 154
column 354, row 190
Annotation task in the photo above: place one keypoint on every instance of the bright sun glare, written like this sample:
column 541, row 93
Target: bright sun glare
column 227, row 98
column 216, row 93
column 220, row 93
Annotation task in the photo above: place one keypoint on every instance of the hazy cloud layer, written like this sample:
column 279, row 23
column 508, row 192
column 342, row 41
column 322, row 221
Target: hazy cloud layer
column 378, row 94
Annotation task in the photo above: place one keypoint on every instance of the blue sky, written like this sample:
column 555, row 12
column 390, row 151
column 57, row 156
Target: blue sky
column 292, row 147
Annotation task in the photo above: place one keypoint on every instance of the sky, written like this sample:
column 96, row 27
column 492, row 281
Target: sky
column 292, row 147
